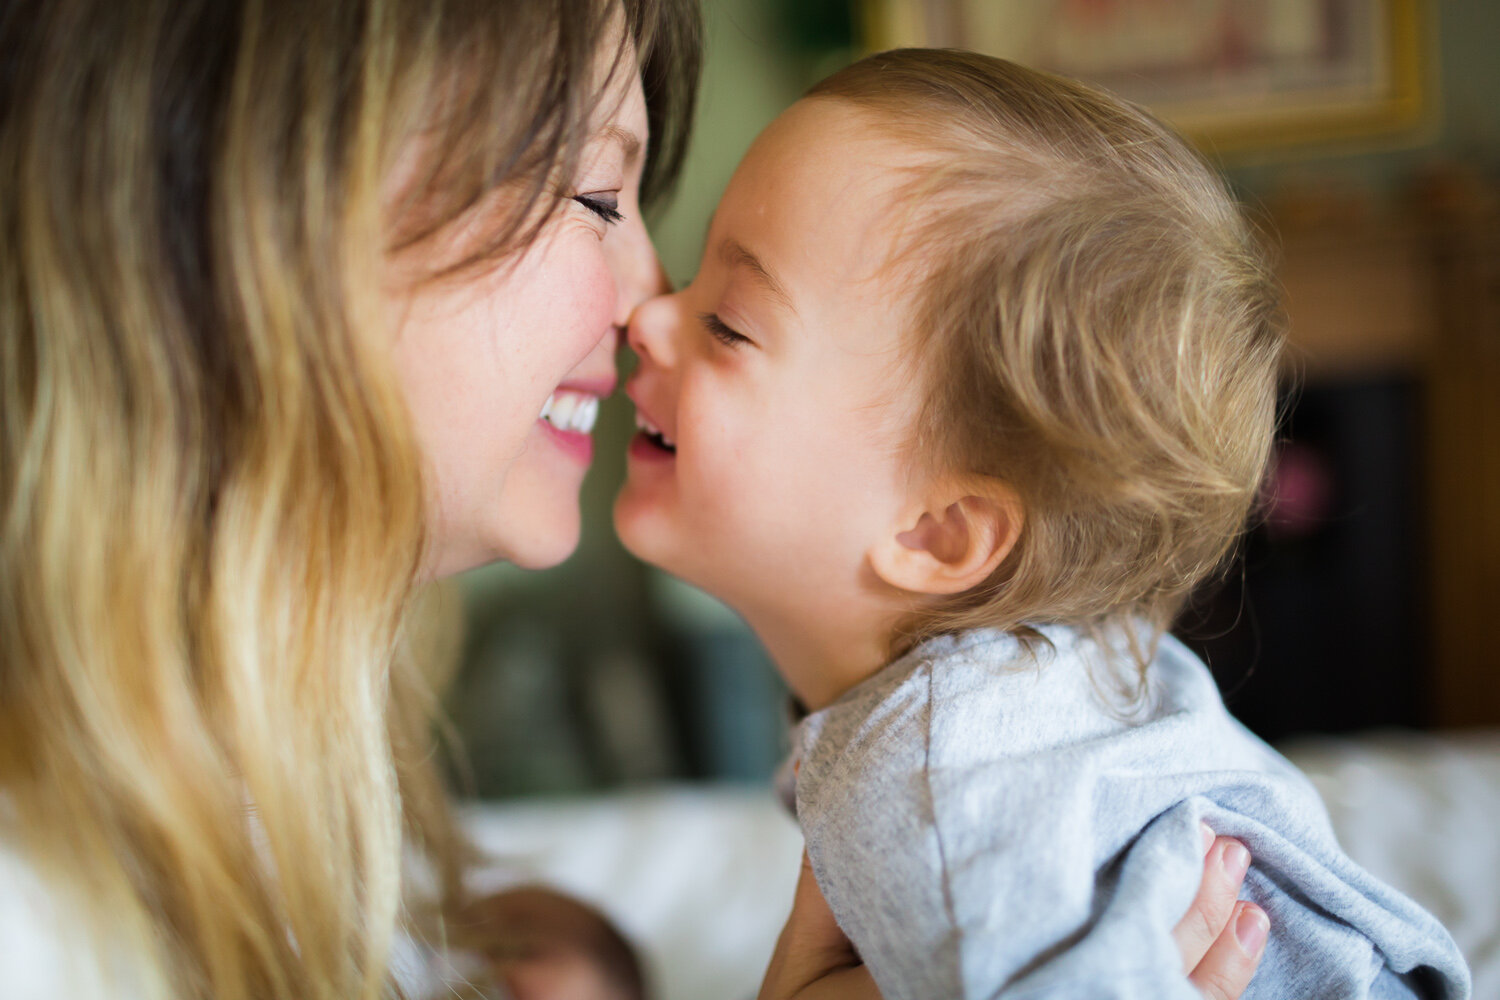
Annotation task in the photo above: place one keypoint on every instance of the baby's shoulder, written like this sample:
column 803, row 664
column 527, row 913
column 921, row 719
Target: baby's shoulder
column 1062, row 686
column 1052, row 705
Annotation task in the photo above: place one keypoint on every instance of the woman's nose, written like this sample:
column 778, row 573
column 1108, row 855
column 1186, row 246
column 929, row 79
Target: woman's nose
column 651, row 331
column 638, row 274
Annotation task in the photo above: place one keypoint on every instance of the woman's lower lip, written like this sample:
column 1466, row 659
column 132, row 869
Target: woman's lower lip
column 647, row 450
column 575, row 445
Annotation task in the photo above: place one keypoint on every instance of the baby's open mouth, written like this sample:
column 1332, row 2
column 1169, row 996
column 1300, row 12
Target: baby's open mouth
column 574, row 412
column 654, row 434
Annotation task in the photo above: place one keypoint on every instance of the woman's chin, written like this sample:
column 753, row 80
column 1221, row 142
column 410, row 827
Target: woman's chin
column 542, row 547
column 548, row 546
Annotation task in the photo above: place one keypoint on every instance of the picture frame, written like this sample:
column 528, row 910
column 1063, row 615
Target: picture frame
column 1237, row 77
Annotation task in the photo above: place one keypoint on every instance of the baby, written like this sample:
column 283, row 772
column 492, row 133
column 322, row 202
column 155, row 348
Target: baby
column 975, row 384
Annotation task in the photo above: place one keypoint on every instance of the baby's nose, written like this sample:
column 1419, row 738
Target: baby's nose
column 651, row 329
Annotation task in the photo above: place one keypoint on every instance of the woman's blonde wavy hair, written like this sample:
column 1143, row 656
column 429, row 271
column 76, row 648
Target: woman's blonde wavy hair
column 1100, row 330
column 214, row 739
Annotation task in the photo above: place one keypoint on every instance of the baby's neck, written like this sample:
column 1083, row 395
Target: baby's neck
column 820, row 661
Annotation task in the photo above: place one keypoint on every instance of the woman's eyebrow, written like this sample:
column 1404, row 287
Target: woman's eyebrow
column 629, row 142
column 734, row 254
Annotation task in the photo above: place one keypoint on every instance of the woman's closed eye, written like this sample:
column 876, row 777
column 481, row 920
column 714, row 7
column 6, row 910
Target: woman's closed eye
column 606, row 205
column 722, row 331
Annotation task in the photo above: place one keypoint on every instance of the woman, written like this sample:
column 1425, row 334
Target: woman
column 283, row 289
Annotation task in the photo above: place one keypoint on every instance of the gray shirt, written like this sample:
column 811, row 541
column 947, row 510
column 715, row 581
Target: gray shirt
column 984, row 823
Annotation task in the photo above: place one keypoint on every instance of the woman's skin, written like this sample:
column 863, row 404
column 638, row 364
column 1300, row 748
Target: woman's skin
column 479, row 360
column 479, row 357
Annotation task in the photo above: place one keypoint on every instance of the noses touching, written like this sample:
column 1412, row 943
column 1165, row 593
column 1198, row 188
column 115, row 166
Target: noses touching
column 652, row 332
column 637, row 277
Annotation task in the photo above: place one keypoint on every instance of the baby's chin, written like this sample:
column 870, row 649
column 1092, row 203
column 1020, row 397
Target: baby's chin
column 650, row 536
column 643, row 530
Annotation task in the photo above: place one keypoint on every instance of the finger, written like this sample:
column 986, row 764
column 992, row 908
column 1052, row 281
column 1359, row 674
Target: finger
column 846, row 984
column 814, row 959
column 812, row 943
column 1224, row 867
column 1230, row 962
column 815, row 926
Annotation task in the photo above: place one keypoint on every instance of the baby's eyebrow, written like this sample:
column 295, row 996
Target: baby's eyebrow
column 734, row 254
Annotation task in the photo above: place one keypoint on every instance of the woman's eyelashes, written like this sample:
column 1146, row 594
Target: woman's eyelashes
column 606, row 206
column 722, row 331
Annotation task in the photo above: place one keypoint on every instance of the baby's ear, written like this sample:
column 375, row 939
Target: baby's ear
column 952, row 539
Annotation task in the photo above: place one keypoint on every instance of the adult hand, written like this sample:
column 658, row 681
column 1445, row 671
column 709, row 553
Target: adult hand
column 1221, row 938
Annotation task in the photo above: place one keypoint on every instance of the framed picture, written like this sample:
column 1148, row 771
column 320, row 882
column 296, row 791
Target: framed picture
column 1234, row 75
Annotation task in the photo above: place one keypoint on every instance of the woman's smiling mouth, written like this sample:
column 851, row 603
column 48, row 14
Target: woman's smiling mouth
column 571, row 411
column 569, row 415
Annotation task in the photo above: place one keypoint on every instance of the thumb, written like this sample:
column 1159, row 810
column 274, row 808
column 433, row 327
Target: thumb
column 811, row 921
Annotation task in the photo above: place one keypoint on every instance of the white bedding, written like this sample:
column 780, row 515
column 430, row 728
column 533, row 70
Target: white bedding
column 701, row 877
column 1423, row 813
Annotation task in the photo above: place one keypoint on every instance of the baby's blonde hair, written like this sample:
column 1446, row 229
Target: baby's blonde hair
column 1099, row 330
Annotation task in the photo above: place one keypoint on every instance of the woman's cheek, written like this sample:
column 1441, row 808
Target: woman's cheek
column 563, row 303
column 592, row 295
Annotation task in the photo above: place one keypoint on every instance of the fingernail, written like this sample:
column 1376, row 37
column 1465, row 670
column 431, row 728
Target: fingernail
column 1208, row 836
column 1236, row 859
column 1250, row 929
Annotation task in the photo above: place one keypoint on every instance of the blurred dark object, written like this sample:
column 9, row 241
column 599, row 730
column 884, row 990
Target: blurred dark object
column 558, row 696
column 816, row 26
column 1300, row 491
column 1363, row 596
column 1317, row 627
column 1461, row 213
column 579, row 681
column 544, row 945
column 733, row 704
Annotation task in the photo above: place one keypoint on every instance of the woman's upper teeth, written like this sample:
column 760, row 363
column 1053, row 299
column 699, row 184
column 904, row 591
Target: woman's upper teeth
column 643, row 424
column 571, row 411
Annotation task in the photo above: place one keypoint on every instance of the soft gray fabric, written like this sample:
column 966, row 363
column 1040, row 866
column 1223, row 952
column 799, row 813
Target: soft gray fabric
column 985, row 823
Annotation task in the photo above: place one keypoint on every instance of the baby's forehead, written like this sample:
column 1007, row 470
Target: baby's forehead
column 832, row 180
column 834, row 144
